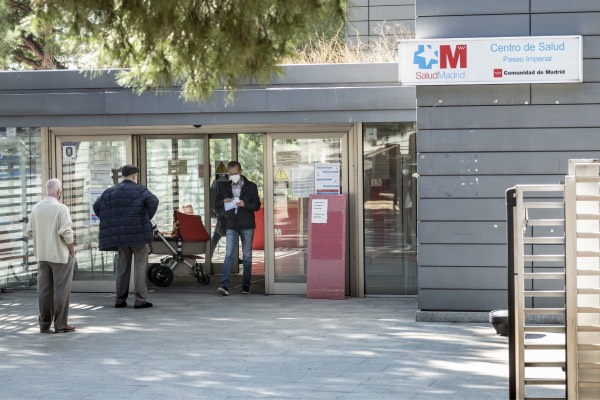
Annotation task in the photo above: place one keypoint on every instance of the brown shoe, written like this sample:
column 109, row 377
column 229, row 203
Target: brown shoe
column 66, row 329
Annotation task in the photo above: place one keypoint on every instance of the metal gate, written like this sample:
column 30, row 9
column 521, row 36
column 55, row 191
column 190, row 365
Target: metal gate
column 554, row 285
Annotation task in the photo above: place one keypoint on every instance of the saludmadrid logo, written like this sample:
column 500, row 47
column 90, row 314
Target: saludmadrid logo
column 445, row 58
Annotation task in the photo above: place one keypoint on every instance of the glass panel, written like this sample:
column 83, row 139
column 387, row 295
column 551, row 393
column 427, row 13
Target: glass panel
column 250, row 156
column 390, row 209
column 175, row 175
column 88, row 168
column 293, row 168
column 220, row 150
column 20, row 189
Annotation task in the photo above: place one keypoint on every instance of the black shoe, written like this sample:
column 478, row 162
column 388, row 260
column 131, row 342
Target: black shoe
column 120, row 305
column 245, row 289
column 145, row 305
column 223, row 291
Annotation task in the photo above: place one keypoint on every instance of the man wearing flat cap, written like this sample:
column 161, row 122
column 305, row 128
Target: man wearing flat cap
column 125, row 211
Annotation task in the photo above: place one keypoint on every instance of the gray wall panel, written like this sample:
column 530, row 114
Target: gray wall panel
column 389, row 13
column 591, row 70
column 485, row 278
column 444, row 96
column 554, row 6
column 462, row 300
column 475, row 186
column 591, row 47
column 583, row 93
column 565, row 24
column 375, row 3
column 472, row 26
column 469, row 7
column 532, row 116
column 462, row 232
column 354, row 14
column 535, row 139
column 498, row 163
column 460, row 209
column 465, row 255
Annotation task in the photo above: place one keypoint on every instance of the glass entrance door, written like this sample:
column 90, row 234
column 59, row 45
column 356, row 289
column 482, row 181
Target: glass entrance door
column 87, row 166
column 291, row 160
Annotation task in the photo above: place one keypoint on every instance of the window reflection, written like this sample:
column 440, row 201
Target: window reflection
column 390, row 208
column 20, row 189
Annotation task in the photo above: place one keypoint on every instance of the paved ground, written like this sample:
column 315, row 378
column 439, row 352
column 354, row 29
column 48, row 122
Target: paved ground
column 198, row 345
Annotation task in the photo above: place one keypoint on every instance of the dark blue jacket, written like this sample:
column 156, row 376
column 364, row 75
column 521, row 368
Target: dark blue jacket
column 244, row 218
column 125, row 211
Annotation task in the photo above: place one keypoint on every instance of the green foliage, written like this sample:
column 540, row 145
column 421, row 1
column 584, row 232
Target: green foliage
column 204, row 44
column 22, row 49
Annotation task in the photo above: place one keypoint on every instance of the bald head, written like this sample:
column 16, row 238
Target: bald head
column 53, row 187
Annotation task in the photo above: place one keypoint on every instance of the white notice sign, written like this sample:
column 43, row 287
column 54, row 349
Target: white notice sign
column 319, row 211
column 503, row 60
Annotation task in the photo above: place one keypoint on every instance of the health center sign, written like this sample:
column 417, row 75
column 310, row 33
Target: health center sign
column 505, row 60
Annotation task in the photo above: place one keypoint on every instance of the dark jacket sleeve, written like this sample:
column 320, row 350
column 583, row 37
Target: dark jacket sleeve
column 253, row 201
column 151, row 203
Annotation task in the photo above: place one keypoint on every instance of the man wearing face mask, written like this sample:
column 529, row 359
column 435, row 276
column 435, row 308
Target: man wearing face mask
column 239, row 200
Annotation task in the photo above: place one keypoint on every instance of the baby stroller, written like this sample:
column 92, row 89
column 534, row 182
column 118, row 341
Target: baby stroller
column 183, row 248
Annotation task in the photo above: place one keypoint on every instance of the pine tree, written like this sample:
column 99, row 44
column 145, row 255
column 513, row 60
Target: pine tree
column 19, row 47
column 200, row 44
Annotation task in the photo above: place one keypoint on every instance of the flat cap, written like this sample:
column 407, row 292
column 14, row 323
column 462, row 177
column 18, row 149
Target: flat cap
column 129, row 169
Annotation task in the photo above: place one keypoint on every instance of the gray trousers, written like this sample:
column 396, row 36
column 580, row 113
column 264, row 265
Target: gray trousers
column 54, row 289
column 140, row 266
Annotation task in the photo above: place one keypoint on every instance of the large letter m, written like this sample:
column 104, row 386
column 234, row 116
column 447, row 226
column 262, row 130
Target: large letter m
column 447, row 57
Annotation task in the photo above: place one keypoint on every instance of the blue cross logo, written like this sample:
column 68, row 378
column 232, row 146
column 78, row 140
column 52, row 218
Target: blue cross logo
column 425, row 56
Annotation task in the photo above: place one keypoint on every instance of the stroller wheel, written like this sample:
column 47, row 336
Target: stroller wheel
column 151, row 269
column 203, row 279
column 162, row 276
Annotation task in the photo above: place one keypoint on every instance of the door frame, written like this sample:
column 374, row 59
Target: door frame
column 55, row 153
column 272, row 287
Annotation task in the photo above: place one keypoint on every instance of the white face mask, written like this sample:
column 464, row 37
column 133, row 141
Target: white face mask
column 234, row 178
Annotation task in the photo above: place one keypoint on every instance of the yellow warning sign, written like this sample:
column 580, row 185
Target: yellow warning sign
column 221, row 168
column 281, row 175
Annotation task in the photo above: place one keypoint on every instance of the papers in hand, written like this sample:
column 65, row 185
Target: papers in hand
column 232, row 204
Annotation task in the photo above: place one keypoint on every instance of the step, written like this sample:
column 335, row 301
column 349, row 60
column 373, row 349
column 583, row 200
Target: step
column 544, row 257
column 544, row 204
column 593, row 254
column 544, row 364
column 544, row 240
column 588, row 328
column 548, row 222
column 545, row 328
column 588, row 347
column 589, row 365
column 545, row 398
column 545, row 381
column 589, row 384
column 588, row 216
column 587, row 179
column 544, row 275
column 544, row 346
column 544, row 311
column 544, row 293
column 588, row 235
column 588, row 272
column 588, row 291
column 587, row 197
column 588, row 310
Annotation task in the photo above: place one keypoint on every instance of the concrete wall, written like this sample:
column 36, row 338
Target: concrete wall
column 474, row 142
column 366, row 19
